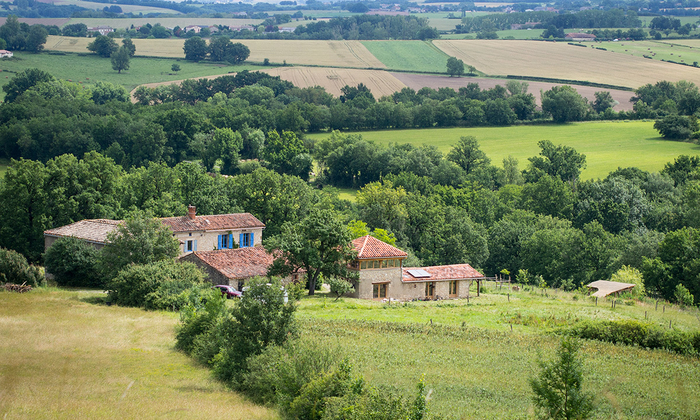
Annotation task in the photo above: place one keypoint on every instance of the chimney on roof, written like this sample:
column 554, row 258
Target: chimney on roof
column 191, row 212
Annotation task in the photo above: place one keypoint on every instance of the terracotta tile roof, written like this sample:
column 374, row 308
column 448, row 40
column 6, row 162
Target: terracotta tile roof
column 92, row 230
column 213, row 222
column 369, row 247
column 241, row 263
column 442, row 273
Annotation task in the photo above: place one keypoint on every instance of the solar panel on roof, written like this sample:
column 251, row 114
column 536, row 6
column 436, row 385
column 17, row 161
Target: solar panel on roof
column 419, row 274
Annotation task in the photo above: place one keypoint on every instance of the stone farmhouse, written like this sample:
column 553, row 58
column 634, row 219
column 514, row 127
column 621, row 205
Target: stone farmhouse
column 228, row 248
column 6, row 53
column 383, row 276
column 194, row 232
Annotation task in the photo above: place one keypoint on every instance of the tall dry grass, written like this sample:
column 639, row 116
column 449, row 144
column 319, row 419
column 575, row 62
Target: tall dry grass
column 64, row 358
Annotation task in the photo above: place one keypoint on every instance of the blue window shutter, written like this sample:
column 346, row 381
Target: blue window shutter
column 241, row 244
column 220, row 237
column 195, row 244
column 230, row 241
column 252, row 239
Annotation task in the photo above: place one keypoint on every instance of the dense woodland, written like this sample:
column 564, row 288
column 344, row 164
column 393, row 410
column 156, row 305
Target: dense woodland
column 93, row 154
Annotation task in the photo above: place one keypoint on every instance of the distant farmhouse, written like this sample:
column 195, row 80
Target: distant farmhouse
column 228, row 248
column 102, row 30
column 5, row 53
column 580, row 37
column 221, row 231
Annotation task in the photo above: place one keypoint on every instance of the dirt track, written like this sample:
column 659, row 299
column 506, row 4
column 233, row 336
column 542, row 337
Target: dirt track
column 417, row 81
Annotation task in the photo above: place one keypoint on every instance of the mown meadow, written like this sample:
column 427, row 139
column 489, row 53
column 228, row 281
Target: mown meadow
column 418, row 56
column 63, row 357
column 607, row 145
column 89, row 68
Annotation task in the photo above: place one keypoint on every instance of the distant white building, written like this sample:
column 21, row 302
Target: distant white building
column 5, row 53
column 102, row 30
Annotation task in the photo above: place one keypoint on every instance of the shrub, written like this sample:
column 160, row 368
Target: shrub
column 558, row 393
column 258, row 320
column 72, row 262
column 682, row 296
column 677, row 127
column 166, row 284
column 14, row 268
column 638, row 334
column 197, row 320
column 628, row 274
column 340, row 287
column 279, row 373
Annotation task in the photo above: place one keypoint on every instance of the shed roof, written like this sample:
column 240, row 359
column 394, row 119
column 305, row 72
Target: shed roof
column 91, row 230
column 441, row 273
column 369, row 247
column 213, row 222
column 606, row 288
column 235, row 264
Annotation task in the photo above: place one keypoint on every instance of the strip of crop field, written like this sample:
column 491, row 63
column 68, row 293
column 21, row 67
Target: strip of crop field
column 559, row 60
column 126, row 8
column 408, row 55
column 607, row 145
column 317, row 53
column 379, row 82
column 168, row 22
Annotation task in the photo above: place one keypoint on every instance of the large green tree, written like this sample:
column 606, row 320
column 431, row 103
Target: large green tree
column 140, row 239
column 120, row 59
column 104, row 46
column 24, row 80
column 467, row 155
column 455, row 67
column 195, row 49
column 319, row 245
column 557, row 161
column 564, row 103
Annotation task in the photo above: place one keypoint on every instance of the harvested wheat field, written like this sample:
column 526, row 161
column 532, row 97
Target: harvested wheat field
column 381, row 83
column 317, row 53
column 417, row 81
column 563, row 61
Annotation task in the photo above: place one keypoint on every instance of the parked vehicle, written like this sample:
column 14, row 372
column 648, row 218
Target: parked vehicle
column 228, row 291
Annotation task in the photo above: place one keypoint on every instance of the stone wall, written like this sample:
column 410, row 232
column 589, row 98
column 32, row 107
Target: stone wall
column 208, row 241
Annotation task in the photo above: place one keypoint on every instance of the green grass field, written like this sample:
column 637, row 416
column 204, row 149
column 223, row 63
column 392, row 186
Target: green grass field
column 64, row 358
column 91, row 68
column 408, row 55
column 607, row 145
column 478, row 368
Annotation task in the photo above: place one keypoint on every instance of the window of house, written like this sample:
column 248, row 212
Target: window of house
column 245, row 240
column 225, row 241
column 453, row 288
column 379, row 290
column 363, row 265
column 430, row 289
column 191, row 245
